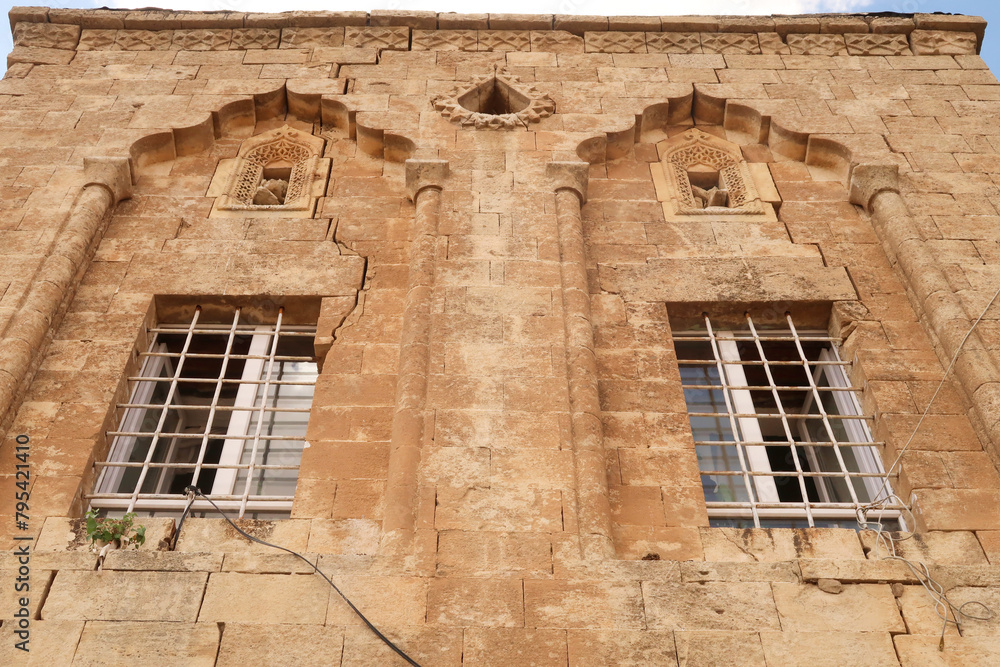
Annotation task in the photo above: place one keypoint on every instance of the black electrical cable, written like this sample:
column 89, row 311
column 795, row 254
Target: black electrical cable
column 197, row 492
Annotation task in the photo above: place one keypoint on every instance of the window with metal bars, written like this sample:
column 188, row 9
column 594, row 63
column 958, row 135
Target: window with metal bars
column 221, row 406
column 779, row 433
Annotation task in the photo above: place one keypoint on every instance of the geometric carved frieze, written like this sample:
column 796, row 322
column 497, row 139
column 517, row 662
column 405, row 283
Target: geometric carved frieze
column 279, row 173
column 673, row 42
column 730, row 43
column 860, row 44
column 816, row 45
column 498, row 101
column 943, row 43
column 47, row 35
column 707, row 176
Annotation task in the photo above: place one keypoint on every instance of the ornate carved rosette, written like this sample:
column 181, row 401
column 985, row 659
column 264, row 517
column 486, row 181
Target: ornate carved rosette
column 498, row 101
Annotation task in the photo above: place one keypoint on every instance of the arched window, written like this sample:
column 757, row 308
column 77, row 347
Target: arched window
column 280, row 172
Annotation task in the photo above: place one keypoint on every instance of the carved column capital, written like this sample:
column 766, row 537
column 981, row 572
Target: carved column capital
column 422, row 174
column 570, row 176
column 868, row 180
column 112, row 173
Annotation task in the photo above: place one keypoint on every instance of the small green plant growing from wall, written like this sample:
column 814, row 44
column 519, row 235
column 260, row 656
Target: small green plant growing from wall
column 110, row 531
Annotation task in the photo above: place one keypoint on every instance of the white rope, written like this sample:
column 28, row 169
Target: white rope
column 947, row 611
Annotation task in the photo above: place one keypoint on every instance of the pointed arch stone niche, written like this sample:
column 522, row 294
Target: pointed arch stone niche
column 700, row 175
column 280, row 173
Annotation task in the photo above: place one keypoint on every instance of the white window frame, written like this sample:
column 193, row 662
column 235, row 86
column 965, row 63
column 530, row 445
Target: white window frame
column 244, row 433
column 756, row 471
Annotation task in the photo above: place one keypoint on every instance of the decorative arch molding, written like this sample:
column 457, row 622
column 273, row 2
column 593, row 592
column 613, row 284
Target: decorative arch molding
column 304, row 101
column 109, row 179
column 871, row 173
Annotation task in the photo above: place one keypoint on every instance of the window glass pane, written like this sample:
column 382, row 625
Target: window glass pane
column 779, row 392
column 214, row 379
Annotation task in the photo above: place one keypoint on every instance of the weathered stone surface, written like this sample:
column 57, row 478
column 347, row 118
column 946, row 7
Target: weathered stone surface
column 620, row 647
column 162, row 561
column 125, row 596
column 50, row 643
column 513, row 646
column 708, row 280
column 779, row 544
column 741, row 649
column 107, row 643
column 65, row 534
column 236, row 598
column 500, row 466
column 828, row 648
column 200, row 535
column 858, row 608
column 925, row 650
column 562, row 604
column 304, row 644
column 710, row 606
column 733, row 572
column 47, row 35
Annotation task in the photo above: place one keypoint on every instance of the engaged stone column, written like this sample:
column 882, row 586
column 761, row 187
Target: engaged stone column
column 424, row 180
column 875, row 187
column 592, row 500
column 109, row 180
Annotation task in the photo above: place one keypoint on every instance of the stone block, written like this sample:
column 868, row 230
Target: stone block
column 270, row 563
column 498, row 647
column 201, row 535
column 710, row 606
column 666, row 542
column 162, row 561
column 960, row 509
column 734, row 572
column 474, row 554
column 428, row 646
column 422, row 20
column 47, row 35
column 51, row 643
column 828, row 649
column 65, row 534
column 499, row 510
column 455, row 21
column 779, row 544
column 943, row 43
column 122, row 643
column 240, row 598
column 306, row 645
column 945, row 547
column 584, row 604
column 455, row 601
column 125, row 596
column 739, row 649
column 36, row 55
column 344, row 536
column 709, row 280
column 858, row 608
column 625, row 648
column 925, row 651
column 385, row 601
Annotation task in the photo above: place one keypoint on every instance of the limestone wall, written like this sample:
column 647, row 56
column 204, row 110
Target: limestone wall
column 500, row 469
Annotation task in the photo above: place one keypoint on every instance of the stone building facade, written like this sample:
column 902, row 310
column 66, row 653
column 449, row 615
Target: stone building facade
column 552, row 340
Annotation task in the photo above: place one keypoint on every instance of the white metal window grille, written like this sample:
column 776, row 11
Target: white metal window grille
column 221, row 406
column 779, row 433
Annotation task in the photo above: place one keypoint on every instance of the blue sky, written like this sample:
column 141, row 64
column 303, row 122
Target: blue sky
column 990, row 10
